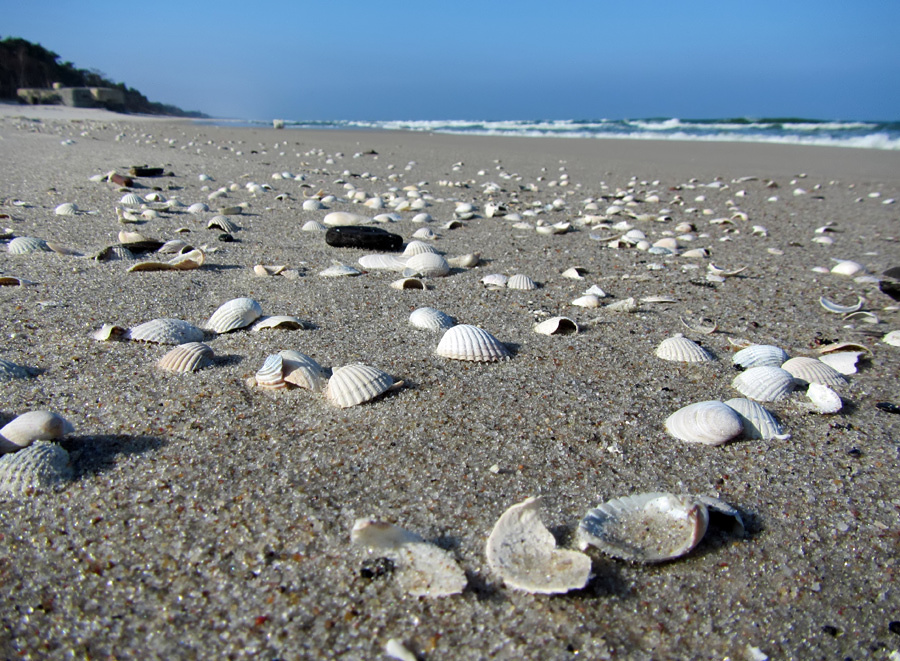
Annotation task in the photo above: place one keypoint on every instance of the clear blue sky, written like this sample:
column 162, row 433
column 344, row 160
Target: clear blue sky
column 384, row 59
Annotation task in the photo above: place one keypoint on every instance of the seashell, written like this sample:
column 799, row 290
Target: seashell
column 865, row 317
column 892, row 338
column 9, row 371
column 23, row 245
column 417, row 248
column 839, row 347
column 696, row 253
column 312, row 204
column 422, row 569
column 164, row 331
column 175, row 246
column 188, row 357
column 646, row 527
column 198, row 207
column 810, row 370
column 234, row 314
column 382, row 262
column 278, row 321
column 314, row 226
column 187, row 261
column 823, row 398
column 431, row 319
column 521, row 282
column 841, row 309
column 765, row 383
column 758, row 355
column 339, row 270
column 683, row 350
column 704, row 326
column 408, row 283
column 556, row 326
column 848, row 268
column 523, row 553
column 131, row 200
column 495, row 280
column 301, row 370
column 357, row 383
column 270, row 376
column 625, row 305
column 33, row 426
column 587, row 301
column 575, row 273
column 338, row 218
column 466, row 342
column 757, row 420
column 709, row 423
column 66, row 209
column 110, row 332
column 596, row 291
column 464, row 261
column 42, row 466
column 427, row 265
column 222, row 223
column 422, row 218
column 425, row 234
column 843, row 362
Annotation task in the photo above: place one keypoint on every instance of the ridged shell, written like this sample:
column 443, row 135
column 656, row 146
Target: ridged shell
column 312, row 205
column 760, row 355
column 523, row 553
column 131, row 200
column 66, row 209
column 234, row 314
column 427, row 265
column 339, row 271
column 382, row 262
column 646, row 527
column 313, row 226
column 466, row 342
column 222, row 223
column 198, row 207
column 424, row 234
column 188, row 357
column 23, row 430
column 43, row 465
column 682, row 350
column 709, row 423
column 522, row 282
column 417, row 248
column 431, row 319
column 115, row 252
column 824, row 398
column 764, row 384
column 271, row 374
column 357, row 383
column 757, row 420
column 22, row 245
column 810, row 370
column 303, row 371
column 556, row 326
column 9, row 371
column 165, row 331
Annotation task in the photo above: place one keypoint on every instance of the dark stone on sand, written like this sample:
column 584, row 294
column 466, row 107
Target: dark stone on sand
column 890, row 283
column 887, row 407
column 144, row 171
column 376, row 568
column 368, row 238
column 894, row 627
column 226, row 238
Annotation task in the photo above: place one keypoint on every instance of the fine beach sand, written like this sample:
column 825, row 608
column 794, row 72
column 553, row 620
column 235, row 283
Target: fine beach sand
column 208, row 519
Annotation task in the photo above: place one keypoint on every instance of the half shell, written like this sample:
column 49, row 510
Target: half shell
column 810, row 370
column 765, row 383
column 556, row 326
column 279, row 321
column 466, row 342
column 427, row 265
column 301, row 370
column 408, row 283
column 234, row 314
column 824, row 398
column 357, row 383
column 165, row 331
column 23, row 245
column 431, row 319
column 760, row 355
column 683, row 350
column 188, row 357
column 522, row 282
column 270, row 376
column 757, row 420
column 43, row 465
column 33, row 426
column 709, row 423
column 417, row 248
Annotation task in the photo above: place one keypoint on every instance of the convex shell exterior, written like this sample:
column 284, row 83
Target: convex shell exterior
column 466, row 342
column 164, row 331
column 234, row 314
column 356, row 384
column 188, row 357
column 760, row 355
column 33, row 426
column 757, row 420
column 764, row 383
column 709, row 423
column 683, row 350
column 810, row 370
column 42, row 466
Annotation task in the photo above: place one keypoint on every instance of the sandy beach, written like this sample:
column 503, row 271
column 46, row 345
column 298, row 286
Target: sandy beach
column 211, row 519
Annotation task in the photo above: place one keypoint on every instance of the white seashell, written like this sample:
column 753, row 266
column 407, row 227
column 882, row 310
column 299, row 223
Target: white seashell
column 33, row 426
column 313, row 226
column 66, row 209
column 431, row 319
column 23, row 245
column 466, row 342
column 172, row 247
column 188, row 357
column 556, row 326
column 417, row 248
column 464, row 261
column 646, row 527
column 303, row 371
column 824, row 398
column 596, row 291
column 183, row 262
column 395, row 649
column 709, row 423
column 312, row 205
column 422, row 569
column 222, row 223
column 757, row 420
column 625, row 305
column 765, row 383
column 669, row 243
column 42, row 466
column 495, row 280
column 696, row 253
column 843, row 362
column 575, row 273
column 164, row 331
column 198, row 207
column 270, row 376
column 683, row 350
column 521, row 282
column 278, row 321
column 408, row 283
column 811, row 370
column 427, row 265
column 356, row 384
column 234, row 314
column 892, row 338
column 841, row 309
column 425, row 234
column 524, row 554
column 848, row 268
column 758, row 355
column 337, row 218
column 339, row 270
column 131, row 200
column 382, row 262
column 587, row 301
column 9, row 371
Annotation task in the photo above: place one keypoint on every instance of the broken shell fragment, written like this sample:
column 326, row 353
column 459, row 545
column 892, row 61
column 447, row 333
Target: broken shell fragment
column 523, row 553
column 271, row 375
column 708, row 423
column 811, row 370
column 284, row 321
column 556, row 326
column 234, row 314
column 683, row 350
column 757, row 420
column 495, row 281
column 848, row 268
column 408, row 283
column 765, row 383
column 356, row 384
column 301, row 370
column 431, row 319
column 841, row 309
column 466, row 342
column 464, row 261
column 161, row 331
column 338, row 271
column 587, row 301
column 823, row 398
column 42, row 466
column 185, row 262
column 188, row 357
column 842, row 361
column 33, row 426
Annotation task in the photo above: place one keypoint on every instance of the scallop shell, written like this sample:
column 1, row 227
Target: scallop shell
column 337, row 218
column 234, row 314
column 523, row 553
column 313, row 226
column 66, row 209
column 382, row 262
column 165, row 331
column 279, row 321
column 22, row 245
column 765, row 383
column 683, row 350
column 33, row 426
column 757, row 420
column 338, row 271
column 131, row 200
column 495, row 280
column 357, row 383
column 646, row 527
column 408, row 283
column 427, row 265
column 709, row 423
column 431, row 319
column 760, row 355
column 198, row 207
column 810, row 370
column 522, row 282
column 303, row 371
column 114, row 253
column 42, row 466
column 188, row 357
column 466, row 342
column 271, row 374
column 556, row 326
column 824, row 398
column 222, row 223
column 425, row 234
column 9, row 371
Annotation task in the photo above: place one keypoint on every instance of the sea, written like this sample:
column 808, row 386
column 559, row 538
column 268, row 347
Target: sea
column 786, row 130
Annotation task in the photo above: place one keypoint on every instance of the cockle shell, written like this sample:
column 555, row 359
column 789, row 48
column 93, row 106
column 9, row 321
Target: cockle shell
column 425, row 234
column 313, row 226
column 765, row 383
column 198, row 207
column 9, row 370
column 760, row 355
column 222, row 223
column 823, row 398
column 188, row 357
column 431, row 319
column 408, row 283
column 466, row 342
column 301, row 370
column 427, row 265
column 810, row 370
column 357, row 383
column 164, row 331
column 423, row 569
column 709, row 423
column 556, row 326
column 131, row 200
column 382, row 262
column 66, row 209
column 312, row 204
column 522, row 282
column 683, row 350
column 279, row 321
column 646, row 527
column 271, row 375
column 234, row 314
column 42, row 466
column 523, row 553
column 23, row 245
column 757, row 420
column 495, row 280
column 338, row 271
column 337, row 218
column 33, row 426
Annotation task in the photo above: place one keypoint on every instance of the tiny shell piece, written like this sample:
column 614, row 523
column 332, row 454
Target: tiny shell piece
column 709, row 423
column 466, row 342
column 824, row 398
column 764, row 383
column 301, row 370
column 42, row 466
column 165, row 331
column 759, row 355
column 522, row 282
column 234, row 314
column 646, row 527
column 523, row 552
column 356, row 384
column 757, row 420
column 188, row 357
column 431, row 319
column 811, row 370
column 556, row 326
column 683, row 350
column 33, row 426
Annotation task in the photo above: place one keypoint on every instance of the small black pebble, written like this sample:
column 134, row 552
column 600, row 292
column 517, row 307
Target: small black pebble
column 226, row 238
column 894, row 627
column 368, row 238
column 854, row 452
column 830, row 630
column 887, row 407
column 376, row 568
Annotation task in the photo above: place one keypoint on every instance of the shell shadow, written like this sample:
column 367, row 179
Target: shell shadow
column 97, row 454
column 228, row 359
